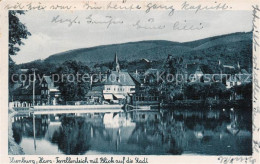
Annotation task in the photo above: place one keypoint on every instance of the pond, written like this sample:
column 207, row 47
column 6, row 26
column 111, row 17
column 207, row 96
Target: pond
column 179, row 132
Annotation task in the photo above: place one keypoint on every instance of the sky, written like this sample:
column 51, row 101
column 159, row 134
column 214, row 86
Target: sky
column 49, row 38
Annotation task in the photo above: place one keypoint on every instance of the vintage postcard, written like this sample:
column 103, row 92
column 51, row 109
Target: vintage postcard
column 129, row 81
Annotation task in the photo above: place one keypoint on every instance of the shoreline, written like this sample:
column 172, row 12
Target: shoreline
column 13, row 147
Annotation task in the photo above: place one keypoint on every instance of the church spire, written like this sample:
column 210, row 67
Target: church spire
column 116, row 66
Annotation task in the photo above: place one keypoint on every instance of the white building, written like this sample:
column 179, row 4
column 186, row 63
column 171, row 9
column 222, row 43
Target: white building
column 118, row 84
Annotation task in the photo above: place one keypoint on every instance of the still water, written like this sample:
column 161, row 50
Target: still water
column 210, row 132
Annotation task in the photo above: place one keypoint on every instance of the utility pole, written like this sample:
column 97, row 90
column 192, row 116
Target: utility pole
column 33, row 87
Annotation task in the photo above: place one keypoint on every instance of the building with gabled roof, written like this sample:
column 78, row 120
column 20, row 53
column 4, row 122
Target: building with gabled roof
column 45, row 92
column 118, row 85
column 193, row 72
column 49, row 92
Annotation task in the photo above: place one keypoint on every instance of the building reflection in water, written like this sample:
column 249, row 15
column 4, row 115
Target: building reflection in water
column 212, row 132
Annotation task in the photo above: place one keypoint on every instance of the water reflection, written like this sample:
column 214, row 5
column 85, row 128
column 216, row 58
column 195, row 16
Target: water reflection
column 212, row 132
column 73, row 136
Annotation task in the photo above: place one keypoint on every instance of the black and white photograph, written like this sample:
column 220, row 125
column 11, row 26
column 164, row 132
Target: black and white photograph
column 130, row 82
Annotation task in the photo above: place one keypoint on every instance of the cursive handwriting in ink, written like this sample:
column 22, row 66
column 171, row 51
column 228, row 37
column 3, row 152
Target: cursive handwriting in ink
column 154, row 6
column 230, row 159
column 60, row 7
column 116, row 6
column 255, row 57
column 216, row 6
column 57, row 19
column 17, row 6
column 38, row 6
column 109, row 20
column 92, row 6
column 178, row 26
column 255, row 17
column 138, row 25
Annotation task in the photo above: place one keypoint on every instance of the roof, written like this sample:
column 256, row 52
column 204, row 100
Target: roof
column 228, row 69
column 146, row 60
column 243, row 71
column 108, row 96
column 229, row 66
column 119, row 78
column 136, row 77
column 49, row 82
column 151, row 71
column 23, row 70
column 27, row 90
column 211, row 78
column 206, row 70
column 94, row 93
column 191, row 68
column 97, row 88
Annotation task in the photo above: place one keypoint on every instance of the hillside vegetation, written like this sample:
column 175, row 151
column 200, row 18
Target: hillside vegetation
column 230, row 49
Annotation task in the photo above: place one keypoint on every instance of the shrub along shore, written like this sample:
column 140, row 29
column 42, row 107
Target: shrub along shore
column 13, row 147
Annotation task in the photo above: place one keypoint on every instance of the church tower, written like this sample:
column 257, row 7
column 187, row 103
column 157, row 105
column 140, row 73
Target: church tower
column 116, row 66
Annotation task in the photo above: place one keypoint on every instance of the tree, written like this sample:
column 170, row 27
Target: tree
column 216, row 89
column 247, row 91
column 73, row 137
column 72, row 85
column 196, row 90
column 17, row 32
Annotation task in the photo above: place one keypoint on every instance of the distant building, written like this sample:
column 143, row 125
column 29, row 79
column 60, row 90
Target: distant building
column 49, row 93
column 24, row 95
column 150, row 76
column 229, row 75
column 228, row 69
column 118, row 85
column 138, row 79
column 193, row 72
column 45, row 93
column 95, row 95
column 232, row 81
column 238, row 79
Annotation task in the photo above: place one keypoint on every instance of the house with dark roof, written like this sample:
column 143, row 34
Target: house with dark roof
column 45, row 92
column 150, row 76
column 49, row 93
column 95, row 95
column 193, row 72
column 24, row 94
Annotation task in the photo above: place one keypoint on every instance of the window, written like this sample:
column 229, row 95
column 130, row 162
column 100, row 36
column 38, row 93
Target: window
column 42, row 85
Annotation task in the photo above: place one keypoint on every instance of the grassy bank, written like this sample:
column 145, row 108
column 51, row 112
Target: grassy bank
column 13, row 147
